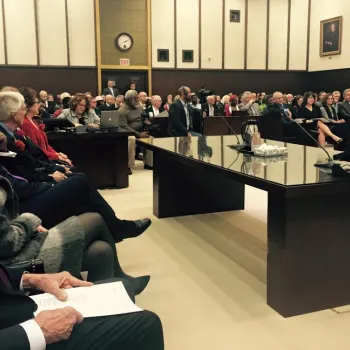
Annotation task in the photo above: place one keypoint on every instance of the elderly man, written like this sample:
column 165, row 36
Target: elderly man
column 66, row 328
column 156, row 108
column 279, row 107
column 249, row 105
column 130, row 120
column 290, row 98
column 109, row 104
column 344, row 107
column 48, row 105
column 210, row 109
column 119, row 101
column 144, row 100
column 110, row 89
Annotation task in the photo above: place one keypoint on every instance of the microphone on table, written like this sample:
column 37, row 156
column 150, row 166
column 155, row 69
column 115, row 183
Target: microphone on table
column 231, row 128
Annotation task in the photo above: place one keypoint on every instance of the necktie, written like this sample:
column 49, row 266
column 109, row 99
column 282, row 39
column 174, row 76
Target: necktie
column 4, row 280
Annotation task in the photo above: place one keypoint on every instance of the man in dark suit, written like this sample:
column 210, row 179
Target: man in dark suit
column 49, row 106
column 66, row 328
column 344, row 107
column 110, row 89
column 181, row 115
column 210, row 109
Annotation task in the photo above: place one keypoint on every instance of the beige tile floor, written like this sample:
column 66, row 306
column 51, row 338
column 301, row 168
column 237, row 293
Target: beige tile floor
column 208, row 278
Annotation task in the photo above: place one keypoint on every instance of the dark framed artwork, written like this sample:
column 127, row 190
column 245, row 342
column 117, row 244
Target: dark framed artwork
column 331, row 36
column 163, row 55
column 187, row 55
column 235, row 16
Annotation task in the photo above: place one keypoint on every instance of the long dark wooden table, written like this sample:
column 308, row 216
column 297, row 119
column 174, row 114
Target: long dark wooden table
column 102, row 156
column 220, row 125
column 308, row 261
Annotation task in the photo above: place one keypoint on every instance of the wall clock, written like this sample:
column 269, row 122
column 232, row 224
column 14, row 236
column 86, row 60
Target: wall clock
column 124, row 42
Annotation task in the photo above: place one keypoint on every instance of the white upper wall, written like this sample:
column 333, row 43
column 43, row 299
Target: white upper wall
column 321, row 10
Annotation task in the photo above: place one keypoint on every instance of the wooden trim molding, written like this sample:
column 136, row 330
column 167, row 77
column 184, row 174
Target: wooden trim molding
column 4, row 30
column 37, row 31
column 308, row 37
column 119, row 67
column 149, row 46
column 98, row 45
column 288, row 32
column 175, row 34
column 67, row 31
column 267, row 35
column 223, row 32
column 246, row 36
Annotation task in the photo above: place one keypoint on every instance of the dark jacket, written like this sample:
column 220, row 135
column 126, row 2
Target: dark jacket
column 150, row 113
column 15, row 308
column 206, row 109
column 50, row 107
column 177, row 119
column 344, row 110
column 29, row 163
column 107, row 91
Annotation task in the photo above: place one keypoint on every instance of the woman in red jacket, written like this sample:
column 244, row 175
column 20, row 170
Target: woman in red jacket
column 34, row 130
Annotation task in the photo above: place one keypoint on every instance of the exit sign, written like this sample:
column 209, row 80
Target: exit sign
column 124, row 62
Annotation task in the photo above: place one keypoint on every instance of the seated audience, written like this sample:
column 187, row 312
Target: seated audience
column 79, row 112
column 93, row 106
column 50, row 98
column 119, row 101
column 297, row 101
column 79, row 243
column 344, row 107
column 156, row 107
column 249, row 105
column 210, row 109
column 223, row 106
column 34, row 130
column 217, row 99
column 278, row 106
column 233, row 106
column 309, row 110
column 267, row 101
column 145, row 101
column 320, row 100
column 195, row 102
column 290, row 98
column 169, row 101
column 181, row 115
column 41, row 196
column 130, row 120
column 109, row 104
column 110, row 89
column 48, row 105
column 58, row 102
column 65, row 328
column 336, row 98
column 261, row 97
column 65, row 97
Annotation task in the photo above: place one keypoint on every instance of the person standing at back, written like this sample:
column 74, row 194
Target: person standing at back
column 110, row 89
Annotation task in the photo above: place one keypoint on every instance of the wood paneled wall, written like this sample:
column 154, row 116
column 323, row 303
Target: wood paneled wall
column 272, row 34
column 47, row 33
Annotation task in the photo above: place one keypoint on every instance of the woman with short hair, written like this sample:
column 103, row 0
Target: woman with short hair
column 79, row 112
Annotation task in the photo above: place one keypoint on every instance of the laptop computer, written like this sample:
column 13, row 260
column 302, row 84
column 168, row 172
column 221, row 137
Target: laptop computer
column 109, row 120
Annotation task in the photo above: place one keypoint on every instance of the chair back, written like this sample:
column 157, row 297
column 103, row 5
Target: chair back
column 271, row 126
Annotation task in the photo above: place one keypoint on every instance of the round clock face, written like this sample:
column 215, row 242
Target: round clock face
column 124, row 42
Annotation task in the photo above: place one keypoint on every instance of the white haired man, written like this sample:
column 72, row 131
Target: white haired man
column 249, row 105
column 210, row 109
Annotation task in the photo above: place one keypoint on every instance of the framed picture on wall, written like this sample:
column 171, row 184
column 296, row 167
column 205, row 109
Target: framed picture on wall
column 187, row 55
column 331, row 36
column 163, row 55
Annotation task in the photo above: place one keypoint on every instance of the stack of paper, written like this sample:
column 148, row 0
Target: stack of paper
column 99, row 300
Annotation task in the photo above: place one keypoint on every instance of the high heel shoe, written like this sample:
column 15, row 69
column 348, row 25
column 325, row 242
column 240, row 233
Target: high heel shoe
column 339, row 141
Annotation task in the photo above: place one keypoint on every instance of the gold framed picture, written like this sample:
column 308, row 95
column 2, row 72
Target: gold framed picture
column 331, row 36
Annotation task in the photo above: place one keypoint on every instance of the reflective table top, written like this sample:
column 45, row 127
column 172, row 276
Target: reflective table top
column 295, row 169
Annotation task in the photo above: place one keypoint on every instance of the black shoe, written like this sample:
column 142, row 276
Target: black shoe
column 138, row 157
column 132, row 229
column 148, row 167
column 129, row 171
